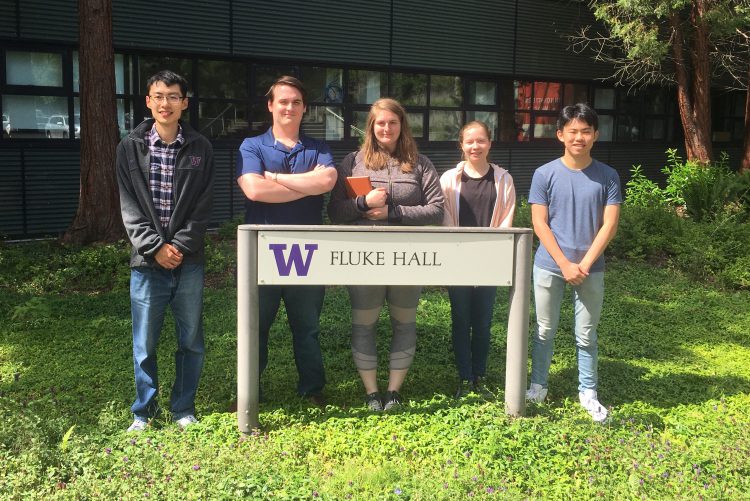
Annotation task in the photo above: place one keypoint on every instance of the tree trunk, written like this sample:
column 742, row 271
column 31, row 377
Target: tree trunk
column 745, row 164
column 701, row 79
column 98, row 216
column 695, row 142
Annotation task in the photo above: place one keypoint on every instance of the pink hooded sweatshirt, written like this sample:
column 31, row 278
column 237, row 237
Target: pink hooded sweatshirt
column 505, row 205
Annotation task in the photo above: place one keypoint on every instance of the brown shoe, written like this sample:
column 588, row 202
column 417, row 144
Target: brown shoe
column 317, row 399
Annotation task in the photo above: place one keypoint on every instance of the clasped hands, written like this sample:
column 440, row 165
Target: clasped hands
column 574, row 273
column 376, row 200
column 168, row 256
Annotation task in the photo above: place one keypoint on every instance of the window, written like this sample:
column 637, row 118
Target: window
column 222, row 91
column 538, row 104
column 729, row 117
column 410, row 89
column 575, row 93
column 324, row 118
column 445, row 90
column 444, row 125
column 482, row 92
column 32, row 117
column 41, row 69
column 40, row 99
column 488, row 117
column 366, row 87
column 629, row 108
column 265, row 75
column 222, row 79
column 150, row 65
column 416, row 124
column 222, row 119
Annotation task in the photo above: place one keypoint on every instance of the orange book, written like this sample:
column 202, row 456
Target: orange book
column 358, row 185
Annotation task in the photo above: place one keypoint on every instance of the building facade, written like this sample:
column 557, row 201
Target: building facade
column 506, row 62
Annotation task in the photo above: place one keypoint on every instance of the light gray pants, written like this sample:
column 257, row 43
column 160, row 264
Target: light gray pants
column 367, row 301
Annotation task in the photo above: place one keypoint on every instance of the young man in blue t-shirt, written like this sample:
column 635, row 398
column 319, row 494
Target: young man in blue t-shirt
column 284, row 175
column 575, row 207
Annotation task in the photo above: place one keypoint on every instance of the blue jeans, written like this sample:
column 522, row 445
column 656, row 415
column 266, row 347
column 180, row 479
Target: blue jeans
column 471, row 315
column 303, row 305
column 151, row 291
column 587, row 302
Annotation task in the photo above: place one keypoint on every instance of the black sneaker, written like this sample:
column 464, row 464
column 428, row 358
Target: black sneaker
column 374, row 402
column 479, row 387
column 392, row 399
column 464, row 388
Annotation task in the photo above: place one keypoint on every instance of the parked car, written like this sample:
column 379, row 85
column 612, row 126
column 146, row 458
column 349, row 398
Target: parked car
column 57, row 126
column 6, row 125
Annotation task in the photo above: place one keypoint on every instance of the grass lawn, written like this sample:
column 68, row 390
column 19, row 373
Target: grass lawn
column 674, row 366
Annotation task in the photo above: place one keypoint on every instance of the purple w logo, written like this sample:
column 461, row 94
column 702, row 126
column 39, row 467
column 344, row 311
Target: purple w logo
column 295, row 258
column 195, row 161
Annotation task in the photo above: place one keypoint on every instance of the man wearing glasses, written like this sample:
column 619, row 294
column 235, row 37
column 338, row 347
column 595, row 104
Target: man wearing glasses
column 165, row 174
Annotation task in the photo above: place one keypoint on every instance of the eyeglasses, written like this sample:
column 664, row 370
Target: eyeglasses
column 171, row 99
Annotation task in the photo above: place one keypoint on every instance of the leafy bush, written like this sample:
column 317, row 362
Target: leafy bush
column 646, row 234
column 703, row 193
column 709, row 251
column 643, row 192
column 38, row 267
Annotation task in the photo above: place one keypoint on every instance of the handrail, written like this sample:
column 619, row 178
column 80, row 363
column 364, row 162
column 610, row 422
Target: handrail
column 356, row 129
column 220, row 115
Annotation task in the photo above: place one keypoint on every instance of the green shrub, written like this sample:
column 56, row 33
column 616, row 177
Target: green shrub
column 522, row 217
column 709, row 251
column 228, row 230
column 703, row 193
column 643, row 192
column 38, row 267
column 646, row 233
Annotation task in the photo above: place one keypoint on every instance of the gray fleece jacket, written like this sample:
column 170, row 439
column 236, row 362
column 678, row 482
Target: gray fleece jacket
column 192, row 191
column 414, row 198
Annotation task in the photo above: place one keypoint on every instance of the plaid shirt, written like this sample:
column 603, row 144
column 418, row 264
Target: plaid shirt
column 161, row 173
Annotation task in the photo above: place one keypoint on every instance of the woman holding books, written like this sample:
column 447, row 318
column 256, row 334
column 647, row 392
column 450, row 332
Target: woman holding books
column 477, row 194
column 405, row 190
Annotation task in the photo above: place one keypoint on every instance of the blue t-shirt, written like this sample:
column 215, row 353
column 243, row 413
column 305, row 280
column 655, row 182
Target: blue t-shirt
column 575, row 201
column 263, row 153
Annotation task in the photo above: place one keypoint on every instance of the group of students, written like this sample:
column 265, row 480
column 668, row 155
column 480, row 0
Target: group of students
column 165, row 175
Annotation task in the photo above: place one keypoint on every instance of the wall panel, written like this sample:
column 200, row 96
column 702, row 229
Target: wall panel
column 473, row 35
column 542, row 46
column 52, row 186
column 357, row 31
column 177, row 25
column 11, row 193
column 45, row 20
column 8, row 19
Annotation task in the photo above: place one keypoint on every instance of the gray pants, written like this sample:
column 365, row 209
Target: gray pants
column 367, row 301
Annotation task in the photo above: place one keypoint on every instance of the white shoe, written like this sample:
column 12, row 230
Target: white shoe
column 138, row 426
column 589, row 402
column 536, row 393
column 186, row 421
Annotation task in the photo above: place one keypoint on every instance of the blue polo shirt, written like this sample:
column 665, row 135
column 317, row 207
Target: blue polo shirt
column 263, row 153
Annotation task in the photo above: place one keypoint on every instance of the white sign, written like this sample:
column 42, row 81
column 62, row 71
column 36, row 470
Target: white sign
column 380, row 258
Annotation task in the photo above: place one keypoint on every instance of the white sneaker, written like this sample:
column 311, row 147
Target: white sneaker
column 589, row 402
column 536, row 393
column 186, row 421
column 138, row 426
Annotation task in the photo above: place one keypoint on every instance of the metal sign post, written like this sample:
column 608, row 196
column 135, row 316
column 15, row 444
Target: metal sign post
column 380, row 255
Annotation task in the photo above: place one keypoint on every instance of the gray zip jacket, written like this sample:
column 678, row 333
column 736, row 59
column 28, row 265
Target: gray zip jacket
column 192, row 191
column 414, row 198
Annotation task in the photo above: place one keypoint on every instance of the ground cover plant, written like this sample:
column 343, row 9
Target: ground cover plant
column 674, row 364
